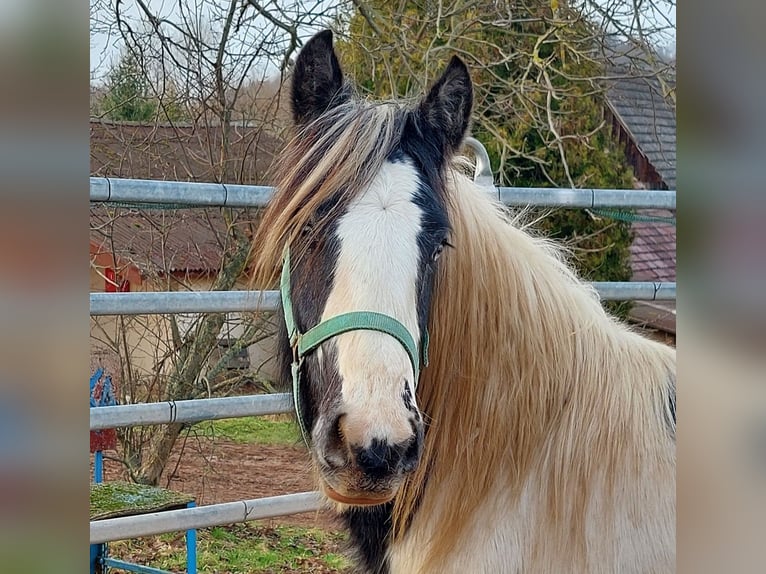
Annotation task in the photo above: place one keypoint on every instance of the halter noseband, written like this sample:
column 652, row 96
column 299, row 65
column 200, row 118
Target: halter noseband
column 304, row 343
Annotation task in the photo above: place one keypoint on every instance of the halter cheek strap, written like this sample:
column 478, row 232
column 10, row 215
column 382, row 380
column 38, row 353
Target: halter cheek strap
column 304, row 343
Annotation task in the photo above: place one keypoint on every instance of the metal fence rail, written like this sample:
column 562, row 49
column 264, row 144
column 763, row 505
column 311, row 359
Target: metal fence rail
column 566, row 197
column 146, row 303
column 202, row 516
column 154, row 302
column 189, row 411
column 229, row 195
column 635, row 290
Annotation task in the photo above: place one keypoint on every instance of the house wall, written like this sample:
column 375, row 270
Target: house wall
column 147, row 339
column 144, row 339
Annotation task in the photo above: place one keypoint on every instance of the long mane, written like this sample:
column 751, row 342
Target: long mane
column 527, row 373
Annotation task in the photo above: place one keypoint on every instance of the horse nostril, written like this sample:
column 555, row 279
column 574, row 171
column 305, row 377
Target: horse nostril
column 379, row 460
column 335, row 438
column 332, row 450
column 411, row 456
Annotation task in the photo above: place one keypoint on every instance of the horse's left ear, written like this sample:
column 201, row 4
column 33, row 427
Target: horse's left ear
column 447, row 108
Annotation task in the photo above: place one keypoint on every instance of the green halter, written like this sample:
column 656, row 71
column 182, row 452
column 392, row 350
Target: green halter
column 304, row 343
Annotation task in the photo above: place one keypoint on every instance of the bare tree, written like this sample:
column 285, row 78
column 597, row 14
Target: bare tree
column 164, row 357
column 211, row 68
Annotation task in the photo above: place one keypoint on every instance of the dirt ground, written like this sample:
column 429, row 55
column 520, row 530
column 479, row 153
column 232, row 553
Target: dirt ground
column 228, row 471
column 224, row 471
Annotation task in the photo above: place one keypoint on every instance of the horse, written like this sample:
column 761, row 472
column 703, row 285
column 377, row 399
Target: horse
column 468, row 404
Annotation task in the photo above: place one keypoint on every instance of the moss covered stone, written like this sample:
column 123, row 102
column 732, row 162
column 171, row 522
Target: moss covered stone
column 113, row 499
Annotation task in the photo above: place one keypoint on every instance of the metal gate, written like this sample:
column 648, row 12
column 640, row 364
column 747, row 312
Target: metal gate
column 209, row 195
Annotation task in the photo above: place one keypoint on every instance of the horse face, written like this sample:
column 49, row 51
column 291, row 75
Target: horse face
column 377, row 254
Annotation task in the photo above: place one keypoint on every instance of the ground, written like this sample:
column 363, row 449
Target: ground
column 228, row 471
column 219, row 469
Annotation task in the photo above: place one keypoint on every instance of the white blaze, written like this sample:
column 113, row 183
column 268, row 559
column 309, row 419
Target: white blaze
column 377, row 270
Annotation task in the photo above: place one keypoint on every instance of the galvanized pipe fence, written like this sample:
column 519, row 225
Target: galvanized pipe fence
column 202, row 516
column 103, row 189
column 189, row 411
column 151, row 303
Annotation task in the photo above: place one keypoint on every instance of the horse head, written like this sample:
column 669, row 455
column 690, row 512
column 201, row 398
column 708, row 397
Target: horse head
column 363, row 213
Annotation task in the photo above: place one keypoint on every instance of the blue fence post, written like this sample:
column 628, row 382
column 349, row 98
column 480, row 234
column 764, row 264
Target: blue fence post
column 96, row 553
column 191, row 546
column 101, row 394
column 98, row 467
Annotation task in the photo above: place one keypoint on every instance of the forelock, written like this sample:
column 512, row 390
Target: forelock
column 325, row 165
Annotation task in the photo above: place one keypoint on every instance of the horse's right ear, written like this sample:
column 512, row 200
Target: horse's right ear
column 317, row 79
column 446, row 110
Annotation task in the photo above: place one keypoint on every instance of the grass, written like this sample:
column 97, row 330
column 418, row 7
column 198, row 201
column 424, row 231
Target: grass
column 253, row 430
column 242, row 548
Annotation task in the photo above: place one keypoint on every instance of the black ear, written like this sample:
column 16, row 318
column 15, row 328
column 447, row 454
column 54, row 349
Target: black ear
column 317, row 79
column 447, row 108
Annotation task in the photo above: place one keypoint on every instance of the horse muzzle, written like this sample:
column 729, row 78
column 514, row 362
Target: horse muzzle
column 367, row 476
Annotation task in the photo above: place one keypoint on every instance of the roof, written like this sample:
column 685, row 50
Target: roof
column 641, row 105
column 165, row 241
column 639, row 96
column 653, row 258
column 156, row 240
column 180, row 152
column 653, row 251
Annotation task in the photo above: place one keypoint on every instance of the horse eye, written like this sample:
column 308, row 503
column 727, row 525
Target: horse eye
column 307, row 233
column 440, row 248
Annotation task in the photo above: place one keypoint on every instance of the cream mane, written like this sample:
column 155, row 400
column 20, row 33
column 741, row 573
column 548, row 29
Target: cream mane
column 527, row 373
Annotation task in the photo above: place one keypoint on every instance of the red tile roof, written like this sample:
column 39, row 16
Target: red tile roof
column 653, row 258
column 165, row 241
column 156, row 240
column 179, row 152
column 653, row 252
